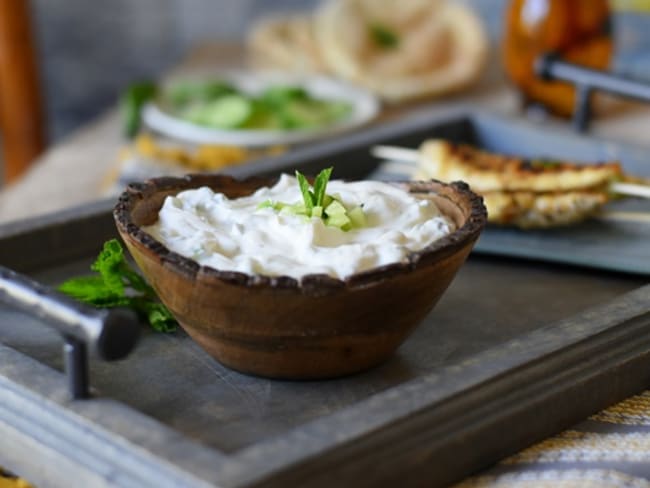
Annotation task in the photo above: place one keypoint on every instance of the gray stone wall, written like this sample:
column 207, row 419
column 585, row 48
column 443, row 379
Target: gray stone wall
column 90, row 51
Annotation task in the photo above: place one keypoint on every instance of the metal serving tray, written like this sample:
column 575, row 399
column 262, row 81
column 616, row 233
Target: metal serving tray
column 509, row 339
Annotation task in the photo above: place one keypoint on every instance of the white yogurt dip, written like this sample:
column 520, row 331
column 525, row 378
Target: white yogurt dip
column 236, row 235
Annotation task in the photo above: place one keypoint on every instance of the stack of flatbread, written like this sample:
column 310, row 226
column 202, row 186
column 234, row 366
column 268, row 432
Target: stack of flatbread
column 398, row 49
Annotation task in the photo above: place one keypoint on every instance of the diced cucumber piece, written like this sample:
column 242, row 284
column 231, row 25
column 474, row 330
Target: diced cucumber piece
column 357, row 217
column 335, row 208
column 271, row 204
column 341, row 221
column 295, row 209
column 317, row 211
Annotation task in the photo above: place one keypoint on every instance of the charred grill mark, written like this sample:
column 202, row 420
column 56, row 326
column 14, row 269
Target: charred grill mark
column 487, row 161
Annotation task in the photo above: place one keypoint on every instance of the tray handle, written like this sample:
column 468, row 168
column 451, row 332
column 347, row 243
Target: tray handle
column 106, row 334
column 586, row 80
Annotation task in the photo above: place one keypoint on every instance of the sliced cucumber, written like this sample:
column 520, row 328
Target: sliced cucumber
column 219, row 105
column 227, row 112
column 357, row 217
column 183, row 93
column 342, row 221
column 305, row 114
column 263, row 117
column 280, row 95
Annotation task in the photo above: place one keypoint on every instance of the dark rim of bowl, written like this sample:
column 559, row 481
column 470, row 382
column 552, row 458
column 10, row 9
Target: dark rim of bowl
column 311, row 283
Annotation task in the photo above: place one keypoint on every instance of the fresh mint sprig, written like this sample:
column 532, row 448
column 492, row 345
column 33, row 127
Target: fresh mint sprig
column 119, row 285
column 307, row 196
column 317, row 203
column 316, row 199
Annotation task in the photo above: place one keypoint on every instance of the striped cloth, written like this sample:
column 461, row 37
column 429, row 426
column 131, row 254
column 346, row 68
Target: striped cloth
column 610, row 449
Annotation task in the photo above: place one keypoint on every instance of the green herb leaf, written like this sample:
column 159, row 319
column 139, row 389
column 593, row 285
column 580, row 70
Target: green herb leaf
column 109, row 265
column 131, row 103
column 266, row 204
column 280, row 95
column 383, row 36
column 320, row 183
column 307, row 195
column 119, row 285
column 318, row 204
column 158, row 316
column 89, row 289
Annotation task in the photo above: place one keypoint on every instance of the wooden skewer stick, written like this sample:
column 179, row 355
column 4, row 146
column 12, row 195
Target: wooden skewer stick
column 396, row 153
column 630, row 189
column 413, row 156
column 635, row 217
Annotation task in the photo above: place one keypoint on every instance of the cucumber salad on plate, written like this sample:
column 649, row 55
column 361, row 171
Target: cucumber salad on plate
column 256, row 109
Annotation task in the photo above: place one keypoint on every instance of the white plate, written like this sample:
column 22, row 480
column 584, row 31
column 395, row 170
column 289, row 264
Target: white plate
column 364, row 108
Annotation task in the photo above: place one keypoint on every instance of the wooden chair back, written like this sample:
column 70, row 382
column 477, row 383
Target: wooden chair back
column 22, row 125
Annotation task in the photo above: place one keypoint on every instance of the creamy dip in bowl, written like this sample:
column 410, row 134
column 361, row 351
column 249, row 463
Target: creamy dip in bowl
column 238, row 235
column 276, row 293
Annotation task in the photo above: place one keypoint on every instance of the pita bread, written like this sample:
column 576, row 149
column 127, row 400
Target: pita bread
column 438, row 46
column 286, row 43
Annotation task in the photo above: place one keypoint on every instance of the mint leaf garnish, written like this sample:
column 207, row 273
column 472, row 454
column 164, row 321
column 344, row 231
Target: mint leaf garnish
column 318, row 204
column 307, row 195
column 320, row 184
column 119, row 285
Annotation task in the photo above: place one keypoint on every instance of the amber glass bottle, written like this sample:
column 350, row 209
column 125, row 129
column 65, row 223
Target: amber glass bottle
column 578, row 31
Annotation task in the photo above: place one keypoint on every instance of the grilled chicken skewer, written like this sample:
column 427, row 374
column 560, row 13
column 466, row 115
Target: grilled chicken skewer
column 520, row 192
column 600, row 173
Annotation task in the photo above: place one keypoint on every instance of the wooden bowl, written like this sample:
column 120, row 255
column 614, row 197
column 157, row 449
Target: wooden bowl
column 280, row 327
